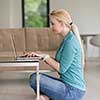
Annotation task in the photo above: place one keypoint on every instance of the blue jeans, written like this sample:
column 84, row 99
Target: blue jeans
column 55, row 89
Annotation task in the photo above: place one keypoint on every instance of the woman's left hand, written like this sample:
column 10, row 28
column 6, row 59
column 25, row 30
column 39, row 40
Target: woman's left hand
column 37, row 54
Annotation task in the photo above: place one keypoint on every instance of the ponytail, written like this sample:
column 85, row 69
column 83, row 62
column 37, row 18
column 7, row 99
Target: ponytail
column 75, row 30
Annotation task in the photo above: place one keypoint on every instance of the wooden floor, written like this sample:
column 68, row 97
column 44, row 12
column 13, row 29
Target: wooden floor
column 15, row 86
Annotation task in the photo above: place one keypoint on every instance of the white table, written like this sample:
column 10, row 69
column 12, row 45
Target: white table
column 11, row 64
column 84, row 37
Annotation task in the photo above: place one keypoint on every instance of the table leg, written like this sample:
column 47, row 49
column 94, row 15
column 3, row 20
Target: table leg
column 85, row 48
column 84, row 40
column 38, row 85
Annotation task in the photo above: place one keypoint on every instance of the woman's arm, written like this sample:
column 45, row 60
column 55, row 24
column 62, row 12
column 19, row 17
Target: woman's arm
column 46, row 58
column 53, row 63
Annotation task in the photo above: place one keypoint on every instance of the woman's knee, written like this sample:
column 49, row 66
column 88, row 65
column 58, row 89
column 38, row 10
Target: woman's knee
column 32, row 79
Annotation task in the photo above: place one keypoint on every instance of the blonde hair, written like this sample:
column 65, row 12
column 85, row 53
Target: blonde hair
column 63, row 16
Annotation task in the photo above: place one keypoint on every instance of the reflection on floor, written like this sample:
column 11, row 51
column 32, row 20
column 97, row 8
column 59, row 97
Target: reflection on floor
column 15, row 86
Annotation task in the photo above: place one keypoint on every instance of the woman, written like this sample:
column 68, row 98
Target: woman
column 68, row 62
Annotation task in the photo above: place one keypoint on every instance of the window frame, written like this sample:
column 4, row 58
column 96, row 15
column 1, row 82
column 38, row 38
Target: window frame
column 23, row 14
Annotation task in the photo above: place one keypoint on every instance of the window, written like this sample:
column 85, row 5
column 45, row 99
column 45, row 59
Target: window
column 35, row 13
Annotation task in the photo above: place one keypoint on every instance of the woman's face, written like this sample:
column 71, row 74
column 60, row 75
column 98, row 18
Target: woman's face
column 56, row 25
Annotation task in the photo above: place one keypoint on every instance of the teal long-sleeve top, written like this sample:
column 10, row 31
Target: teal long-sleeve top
column 69, row 56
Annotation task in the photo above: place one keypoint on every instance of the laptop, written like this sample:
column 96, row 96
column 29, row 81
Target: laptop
column 22, row 57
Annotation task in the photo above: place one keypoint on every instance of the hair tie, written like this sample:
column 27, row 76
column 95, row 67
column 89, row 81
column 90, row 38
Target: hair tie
column 71, row 23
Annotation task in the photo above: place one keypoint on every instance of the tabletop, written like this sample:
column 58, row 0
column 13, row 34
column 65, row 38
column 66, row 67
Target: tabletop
column 89, row 34
column 11, row 64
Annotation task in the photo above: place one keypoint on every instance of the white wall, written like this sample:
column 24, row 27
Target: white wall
column 4, row 13
column 86, row 14
column 15, row 13
column 10, row 14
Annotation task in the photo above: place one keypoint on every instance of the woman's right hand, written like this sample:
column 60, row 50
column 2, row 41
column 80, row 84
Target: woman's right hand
column 31, row 54
column 42, row 56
